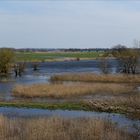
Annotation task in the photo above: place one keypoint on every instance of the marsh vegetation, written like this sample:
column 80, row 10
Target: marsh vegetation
column 90, row 77
column 121, row 98
column 70, row 90
column 70, row 85
column 58, row 128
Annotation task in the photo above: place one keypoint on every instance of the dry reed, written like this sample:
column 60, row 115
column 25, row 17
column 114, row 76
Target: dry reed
column 90, row 77
column 56, row 128
column 70, row 90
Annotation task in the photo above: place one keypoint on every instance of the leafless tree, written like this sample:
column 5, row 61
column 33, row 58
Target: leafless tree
column 128, row 58
column 104, row 65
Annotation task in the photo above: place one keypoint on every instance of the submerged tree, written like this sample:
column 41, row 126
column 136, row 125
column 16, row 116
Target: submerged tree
column 104, row 65
column 128, row 58
column 35, row 66
column 6, row 59
column 19, row 68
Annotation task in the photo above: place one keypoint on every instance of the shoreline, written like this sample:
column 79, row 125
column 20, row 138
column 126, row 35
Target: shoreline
column 72, row 106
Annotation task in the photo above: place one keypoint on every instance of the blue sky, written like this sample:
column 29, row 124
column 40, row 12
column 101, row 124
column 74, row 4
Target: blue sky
column 69, row 24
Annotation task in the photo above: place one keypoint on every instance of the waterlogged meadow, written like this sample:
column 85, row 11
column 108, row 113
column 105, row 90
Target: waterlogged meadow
column 64, row 78
column 70, row 100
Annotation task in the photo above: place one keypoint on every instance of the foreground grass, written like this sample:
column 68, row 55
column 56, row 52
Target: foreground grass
column 69, row 90
column 56, row 128
column 86, row 77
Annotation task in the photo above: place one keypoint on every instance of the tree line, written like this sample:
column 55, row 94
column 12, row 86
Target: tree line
column 128, row 58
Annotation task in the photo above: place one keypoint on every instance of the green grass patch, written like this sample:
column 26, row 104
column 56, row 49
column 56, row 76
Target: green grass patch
column 73, row 106
column 50, row 106
column 33, row 56
column 85, row 106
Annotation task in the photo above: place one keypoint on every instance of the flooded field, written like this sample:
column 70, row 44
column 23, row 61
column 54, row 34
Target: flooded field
column 47, row 69
column 42, row 76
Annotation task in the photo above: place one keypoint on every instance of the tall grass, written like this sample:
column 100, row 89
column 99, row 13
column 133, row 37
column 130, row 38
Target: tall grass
column 89, row 77
column 56, row 128
column 69, row 90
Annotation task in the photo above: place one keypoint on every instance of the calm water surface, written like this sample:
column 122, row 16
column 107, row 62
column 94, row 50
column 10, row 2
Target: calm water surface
column 50, row 68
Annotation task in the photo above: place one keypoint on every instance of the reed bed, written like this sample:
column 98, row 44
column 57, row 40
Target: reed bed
column 90, row 77
column 70, row 90
column 122, row 104
column 56, row 128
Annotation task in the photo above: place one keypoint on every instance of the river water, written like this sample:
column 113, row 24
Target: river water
column 42, row 76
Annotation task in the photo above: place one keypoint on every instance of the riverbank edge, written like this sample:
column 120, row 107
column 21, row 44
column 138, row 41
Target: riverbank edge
column 68, row 106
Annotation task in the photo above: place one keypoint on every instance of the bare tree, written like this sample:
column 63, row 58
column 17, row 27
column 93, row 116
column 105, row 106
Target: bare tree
column 128, row 58
column 35, row 66
column 19, row 69
column 104, row 65
column 136, row 43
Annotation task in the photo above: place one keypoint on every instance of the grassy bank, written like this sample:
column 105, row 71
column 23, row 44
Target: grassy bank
column 129, row 106
column 55, row 128
column 89, row 77
column 69, row 90
column 53, row 56
column 50, row 106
